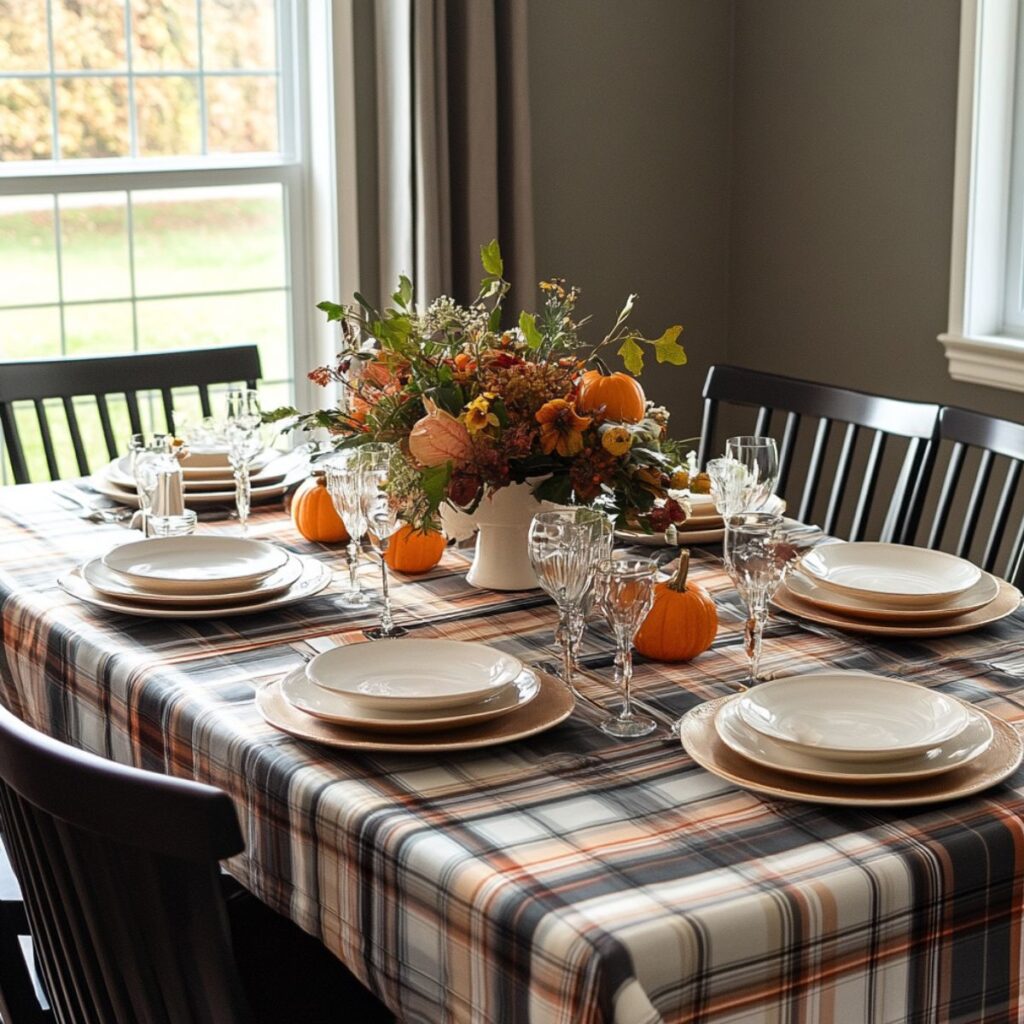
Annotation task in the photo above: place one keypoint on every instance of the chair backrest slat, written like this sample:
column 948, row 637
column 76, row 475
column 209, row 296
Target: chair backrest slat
column 1002, row 515
column 912, row 422
column 973, row 511
column 945, row 501
column 98, row 377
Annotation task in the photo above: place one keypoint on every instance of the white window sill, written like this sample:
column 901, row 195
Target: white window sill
column 986, row 359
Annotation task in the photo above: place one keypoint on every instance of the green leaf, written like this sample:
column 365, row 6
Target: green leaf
column 626, row 309
column 557, row 488
column 490, row 286
column 404, row 294
column 333, row 310
column 528, row 325
column 434, row 481
column 449, row 397
column 274, row 415
column 632, row 356
column 667, row 348
column 490, row 257
column 494, row 320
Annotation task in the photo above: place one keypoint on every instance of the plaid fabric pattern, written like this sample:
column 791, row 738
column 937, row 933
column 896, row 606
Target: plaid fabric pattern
column 567, row 879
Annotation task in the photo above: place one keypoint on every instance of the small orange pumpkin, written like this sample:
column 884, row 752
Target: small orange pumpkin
column 621, row 396
column 413, row 551
column 683, row 621
column 314, row 514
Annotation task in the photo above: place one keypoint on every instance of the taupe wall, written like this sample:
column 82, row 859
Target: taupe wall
column 630, row 102
column 775, row 174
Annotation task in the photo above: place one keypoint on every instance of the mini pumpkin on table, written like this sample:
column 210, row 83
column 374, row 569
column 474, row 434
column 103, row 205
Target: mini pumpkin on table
column 683, row 621
column 314, row 514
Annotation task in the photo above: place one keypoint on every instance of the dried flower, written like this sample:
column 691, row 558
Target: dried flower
column 478, row 415
column 439, row 437
column 561, row 429
column 616, row 440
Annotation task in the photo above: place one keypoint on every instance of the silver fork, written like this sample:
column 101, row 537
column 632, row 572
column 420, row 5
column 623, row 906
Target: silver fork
column 91, row 511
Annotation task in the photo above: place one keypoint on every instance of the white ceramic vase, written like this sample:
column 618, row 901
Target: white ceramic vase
column 502, row 524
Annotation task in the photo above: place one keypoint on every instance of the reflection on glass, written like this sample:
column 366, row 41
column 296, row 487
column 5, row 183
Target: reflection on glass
column 94, row 246
column 256, row 132
column 167, row 116
column 25, row 119
column 92, row 117
column 165, row 35
column 239, row 34
column 88, row 34
column 28, row 251
column 230, row 238
column 100, row 329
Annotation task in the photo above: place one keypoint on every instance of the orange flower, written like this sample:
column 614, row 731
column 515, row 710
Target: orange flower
column 561, row 430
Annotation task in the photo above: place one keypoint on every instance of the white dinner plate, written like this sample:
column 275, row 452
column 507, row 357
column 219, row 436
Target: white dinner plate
column 304, row 694
column 315, row 577
column 702, row 742
column 205, row 562
column 100, row 578
column 197, row 499
column 414, row 674
column 552, row 705
column 763, row 750
column 852, row 716
column 896, row 573
column 683, row 537
column 215, row 460
column 264, row 473
column 876, row 609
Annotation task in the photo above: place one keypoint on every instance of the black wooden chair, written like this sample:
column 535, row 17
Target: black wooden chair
column 912, row 424
column 127, row 906
column 68, row 378
column 973, row 502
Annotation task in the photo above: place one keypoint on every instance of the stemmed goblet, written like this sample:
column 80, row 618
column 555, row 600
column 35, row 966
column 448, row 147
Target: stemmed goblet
column 757, row 558
column 565, row 547
column 242, row 430
column 145, row 452
column 759, row 456
column 624, row 593
column 345, row 486
column 376, row 463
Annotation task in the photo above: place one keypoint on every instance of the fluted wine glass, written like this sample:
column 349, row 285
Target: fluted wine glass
column 242, row 432
column 345, row 486
column 624, row 594
column 376, row 463
column 757, row 558
column 759, row 457
column 145, row 452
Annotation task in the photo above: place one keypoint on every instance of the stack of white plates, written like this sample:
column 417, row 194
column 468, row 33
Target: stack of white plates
column 200, row 576
column 894, row 589
column 854, row 738
column 414, row 695
column 704, row 525
column 208, row 477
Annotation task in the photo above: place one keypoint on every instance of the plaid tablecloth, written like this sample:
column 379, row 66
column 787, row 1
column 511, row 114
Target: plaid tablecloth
column 568, row 879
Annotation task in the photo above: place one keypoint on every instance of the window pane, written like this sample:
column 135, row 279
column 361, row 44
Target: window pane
column 96, row 330
column 94, row 246
column 242, row 114
column 239, row 34
column 165, row 35
column 28, row 251
column 167, row 116
column 23, row 40
column 88, row 34
column 25, row 120
column 210, row 239
column 30, row 333
column 93, row 117
column 219, row 320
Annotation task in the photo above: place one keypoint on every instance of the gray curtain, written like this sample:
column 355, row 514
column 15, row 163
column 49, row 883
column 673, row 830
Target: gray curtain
column 444, row 145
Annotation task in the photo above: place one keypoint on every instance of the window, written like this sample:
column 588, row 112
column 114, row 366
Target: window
column 985, row 340
column 151, row 180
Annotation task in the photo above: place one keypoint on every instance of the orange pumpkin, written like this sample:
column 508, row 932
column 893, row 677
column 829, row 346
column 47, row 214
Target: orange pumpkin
column 412, row 551
column 314, row 514
column 620, row 395
column 683, row 621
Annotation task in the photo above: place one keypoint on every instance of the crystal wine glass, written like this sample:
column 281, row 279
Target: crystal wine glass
column 757, row 558
column 344, row 484
column 242, row 431
column 759, row 456
column 375, row 466
column 145, row 452
column 624, row 593
column 565, row 546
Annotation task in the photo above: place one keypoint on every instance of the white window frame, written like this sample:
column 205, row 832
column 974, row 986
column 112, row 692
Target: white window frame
column 978, row 346
column 290, row 169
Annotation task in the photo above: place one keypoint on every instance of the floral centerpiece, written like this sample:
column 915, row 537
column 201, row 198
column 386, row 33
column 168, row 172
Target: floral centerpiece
column 477, row 408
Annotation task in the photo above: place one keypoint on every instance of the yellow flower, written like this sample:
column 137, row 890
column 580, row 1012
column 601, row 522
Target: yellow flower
column 478, row 415
column 561, row 430
column 616, row 440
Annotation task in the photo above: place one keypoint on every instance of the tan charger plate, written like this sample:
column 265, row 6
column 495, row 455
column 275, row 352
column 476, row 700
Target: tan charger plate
column 552, row 705
column 1003, row 604
column 701, row 741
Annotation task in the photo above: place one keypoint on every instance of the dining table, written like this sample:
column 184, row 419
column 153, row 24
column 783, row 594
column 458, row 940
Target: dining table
column 568, row 878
